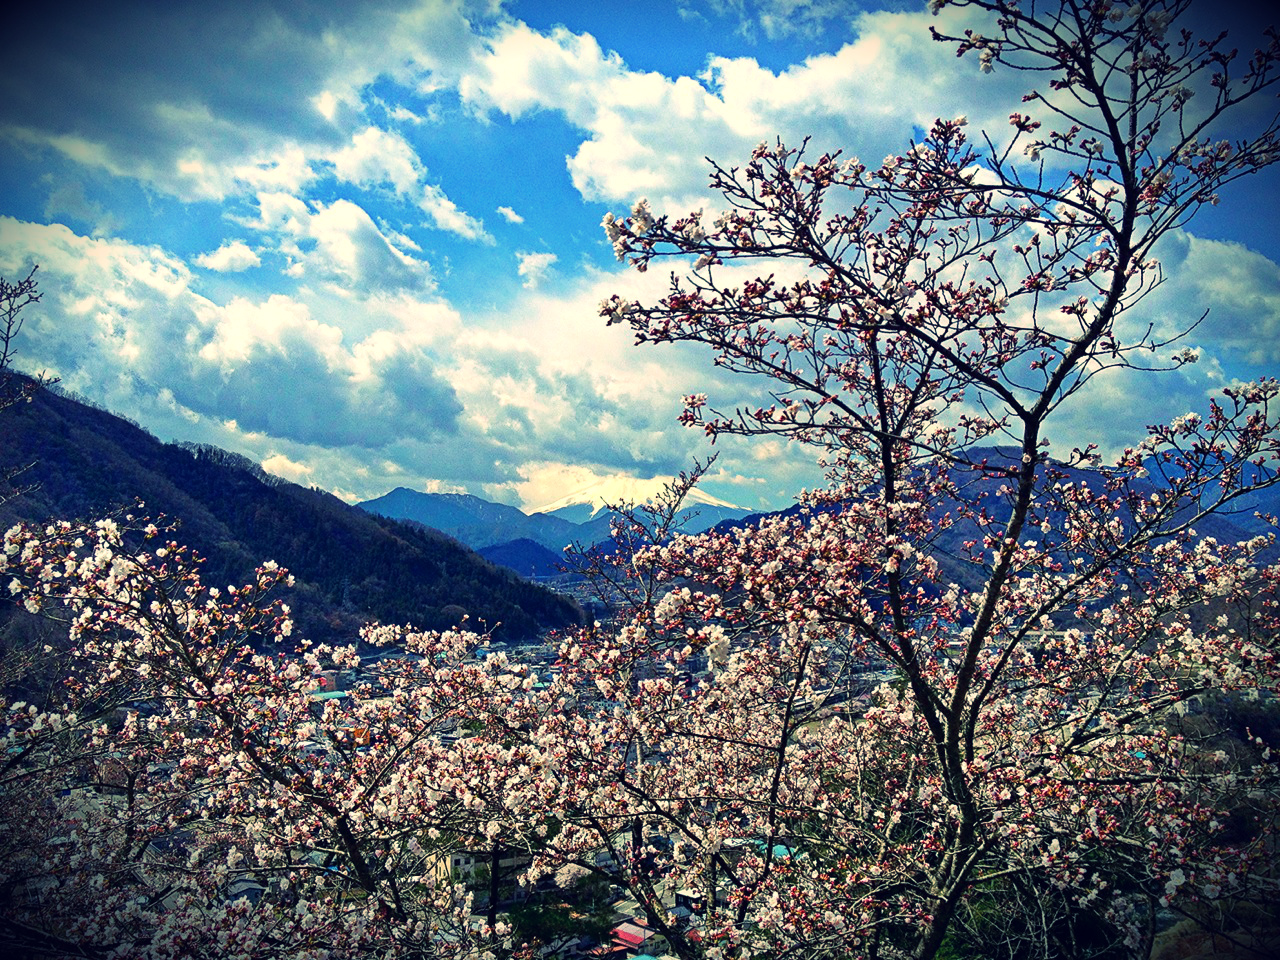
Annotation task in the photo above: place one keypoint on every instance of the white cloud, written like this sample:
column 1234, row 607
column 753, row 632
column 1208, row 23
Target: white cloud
column 284, row 168
column 350, row 245
column 522, row 381
column 533, row 267
column 229, row 258
column 646, row 134
column 281, row 212
column 203, row 176
column 378, row 157
column 281, row 466
column 201, row 112
column 106, row 304
column 444, row 213
column 273, row 365
column 338, row 242
column 405, row 115
column 326, row 104
column 375, row 157
column 510, row 215
column 1238, row 287
column 244, row 327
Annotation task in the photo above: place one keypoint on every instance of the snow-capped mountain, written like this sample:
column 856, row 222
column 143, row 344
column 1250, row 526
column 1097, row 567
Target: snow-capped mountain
column 593, row 501
column 513, row 538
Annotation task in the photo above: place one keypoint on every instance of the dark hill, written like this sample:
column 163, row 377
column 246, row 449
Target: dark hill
column 527, row 558
column 351, row 566
column 980, row 486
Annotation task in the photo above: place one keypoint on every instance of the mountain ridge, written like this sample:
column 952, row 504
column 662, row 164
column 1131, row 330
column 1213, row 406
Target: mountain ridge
column 474, row 521
column 581, row 518
column 350, row 566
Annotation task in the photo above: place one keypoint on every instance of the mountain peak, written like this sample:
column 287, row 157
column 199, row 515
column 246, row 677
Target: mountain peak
column 618, row 489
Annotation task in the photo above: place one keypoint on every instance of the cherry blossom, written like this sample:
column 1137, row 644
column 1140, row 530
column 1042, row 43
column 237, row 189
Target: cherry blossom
column 962, row 698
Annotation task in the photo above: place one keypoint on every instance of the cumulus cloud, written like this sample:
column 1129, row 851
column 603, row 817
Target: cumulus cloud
column 534, row 410
column 446, row 215
column 377, row 158
column 646, row 134
column 533, row 267
column 1237, row 289
column 229, row 258
column 522, row 381
column 510, row 215
column 274, row 124
column 271, row 365
column 127, row 89
column 337, row 385
column 339, row 393
column 242, row 327
column 350, row 245
column 281, row 466
column 338, row 242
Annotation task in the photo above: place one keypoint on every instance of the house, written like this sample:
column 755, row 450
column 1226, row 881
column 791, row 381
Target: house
column 636, row 939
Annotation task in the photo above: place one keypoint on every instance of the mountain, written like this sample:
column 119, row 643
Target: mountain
column 350, row 566
column 581, row 518
column 591, row 503
column 1239, row 522
column 508, row 536
column 526, row 558
column 476, row 522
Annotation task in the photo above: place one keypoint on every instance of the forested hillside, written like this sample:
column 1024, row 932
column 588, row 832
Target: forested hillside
column 350, row 566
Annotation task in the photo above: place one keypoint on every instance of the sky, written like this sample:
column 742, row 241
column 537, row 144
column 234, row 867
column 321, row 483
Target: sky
column 361, row 243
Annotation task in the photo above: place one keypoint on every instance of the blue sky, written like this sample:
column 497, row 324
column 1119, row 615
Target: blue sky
column 360, row 243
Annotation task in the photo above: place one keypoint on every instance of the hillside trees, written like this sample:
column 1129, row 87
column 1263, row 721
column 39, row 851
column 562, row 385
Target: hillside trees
column 349, row 566
column 15, row 297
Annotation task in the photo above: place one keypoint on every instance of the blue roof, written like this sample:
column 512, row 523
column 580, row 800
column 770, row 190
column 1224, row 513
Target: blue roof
column 780, row 850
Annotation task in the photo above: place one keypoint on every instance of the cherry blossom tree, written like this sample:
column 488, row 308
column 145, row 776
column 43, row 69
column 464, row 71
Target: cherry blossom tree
column 1043, row 620
column 189, row 794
